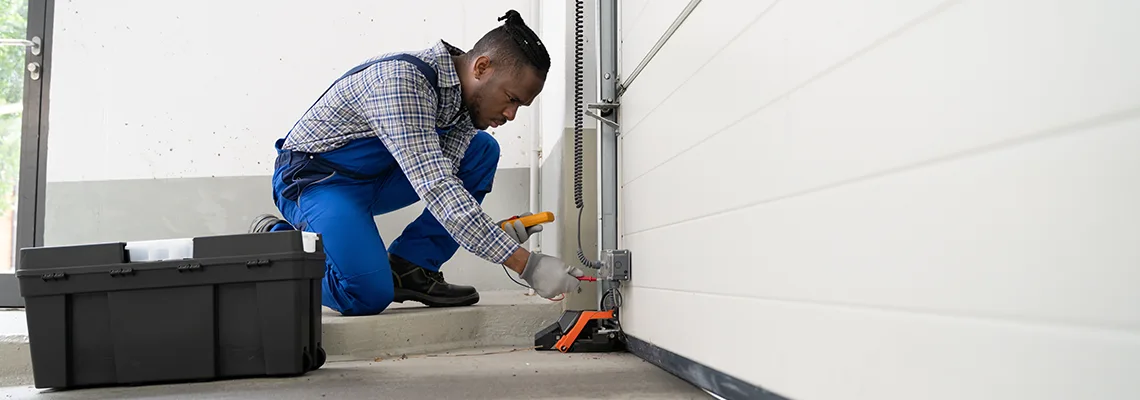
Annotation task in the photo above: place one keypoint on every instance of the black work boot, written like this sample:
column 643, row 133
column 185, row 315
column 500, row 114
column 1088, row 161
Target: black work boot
column 428, row 287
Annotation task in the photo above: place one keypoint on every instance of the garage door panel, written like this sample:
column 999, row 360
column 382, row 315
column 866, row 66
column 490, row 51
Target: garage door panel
column 788, row 45
column 643, row 25
column 710, row 27
column 630, row 12
column 752, row 162
column 919, row 97
column 808, row 352
column 1041, row 231
column 964, row 78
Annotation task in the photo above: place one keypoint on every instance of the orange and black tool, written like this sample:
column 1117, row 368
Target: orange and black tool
column 531, row 220
column 580, row 331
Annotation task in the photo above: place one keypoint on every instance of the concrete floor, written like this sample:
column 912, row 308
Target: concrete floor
column 475, row 374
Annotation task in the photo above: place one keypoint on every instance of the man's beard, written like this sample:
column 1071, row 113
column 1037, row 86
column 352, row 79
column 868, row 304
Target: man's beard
column 473, row 111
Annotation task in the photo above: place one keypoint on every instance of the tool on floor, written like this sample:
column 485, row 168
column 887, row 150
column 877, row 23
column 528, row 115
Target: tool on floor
column 580, row 331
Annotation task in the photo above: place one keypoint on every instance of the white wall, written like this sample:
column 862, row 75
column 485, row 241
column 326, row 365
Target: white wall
column 144, row 89
column 557, row 116
column 556, row 99
column 889, row 199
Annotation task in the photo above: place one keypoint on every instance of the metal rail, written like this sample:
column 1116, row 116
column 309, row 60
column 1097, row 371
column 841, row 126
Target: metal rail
column 607, row 137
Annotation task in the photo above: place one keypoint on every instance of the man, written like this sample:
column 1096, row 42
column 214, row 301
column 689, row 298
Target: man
column 403, row 128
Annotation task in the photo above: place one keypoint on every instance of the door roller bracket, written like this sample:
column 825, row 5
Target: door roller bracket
column 605, row 109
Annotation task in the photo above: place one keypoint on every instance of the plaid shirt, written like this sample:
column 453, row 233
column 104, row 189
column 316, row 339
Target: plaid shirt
column 393, row 101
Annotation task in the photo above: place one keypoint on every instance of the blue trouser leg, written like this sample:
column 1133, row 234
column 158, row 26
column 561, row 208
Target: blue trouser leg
column 425, row 242
column 358, row 279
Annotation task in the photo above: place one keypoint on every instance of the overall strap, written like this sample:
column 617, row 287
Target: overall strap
column 425, row 69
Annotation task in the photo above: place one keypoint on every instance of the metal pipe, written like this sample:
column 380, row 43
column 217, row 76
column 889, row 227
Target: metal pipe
column 535, row 163
column 657, row 47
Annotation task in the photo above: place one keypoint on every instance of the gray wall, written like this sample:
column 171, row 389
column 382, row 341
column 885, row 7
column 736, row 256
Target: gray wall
column 147, row 209
column 558, row 171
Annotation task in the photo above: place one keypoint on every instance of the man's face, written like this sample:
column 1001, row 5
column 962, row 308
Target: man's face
column 497, row 93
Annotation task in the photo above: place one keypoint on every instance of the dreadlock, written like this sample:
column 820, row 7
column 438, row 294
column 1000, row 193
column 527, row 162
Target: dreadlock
column 514, row 43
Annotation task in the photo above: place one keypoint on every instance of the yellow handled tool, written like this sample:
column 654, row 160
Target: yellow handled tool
column 531, row 220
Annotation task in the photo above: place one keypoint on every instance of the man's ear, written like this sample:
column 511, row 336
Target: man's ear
column 481, row 67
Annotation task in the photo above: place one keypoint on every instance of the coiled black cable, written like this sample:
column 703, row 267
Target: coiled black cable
column 579, row 41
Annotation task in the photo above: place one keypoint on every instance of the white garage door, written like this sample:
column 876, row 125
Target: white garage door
column 888, row 199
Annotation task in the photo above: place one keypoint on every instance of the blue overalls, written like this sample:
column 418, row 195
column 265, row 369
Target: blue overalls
column 338, row 192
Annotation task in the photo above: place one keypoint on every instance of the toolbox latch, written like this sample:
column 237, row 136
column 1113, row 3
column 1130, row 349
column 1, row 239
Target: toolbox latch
column 58, row 276
column 189, row 267
column 122, row 272
column 257, row 263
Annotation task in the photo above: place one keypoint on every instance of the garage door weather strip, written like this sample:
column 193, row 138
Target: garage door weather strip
column 711, row 380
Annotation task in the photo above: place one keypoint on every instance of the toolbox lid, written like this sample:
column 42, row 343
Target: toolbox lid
column 183, row 249
column 148, row 251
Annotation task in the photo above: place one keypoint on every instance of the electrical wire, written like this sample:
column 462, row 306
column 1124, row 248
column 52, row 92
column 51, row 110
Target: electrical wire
column 579, row 40
column 579, row 203
column 615, row 296
column 513, row 278
column 505, row 271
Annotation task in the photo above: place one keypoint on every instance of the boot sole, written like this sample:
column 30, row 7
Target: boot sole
column 403, row 295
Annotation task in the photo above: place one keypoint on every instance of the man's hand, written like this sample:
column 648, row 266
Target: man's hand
column 549, row 276
column 517, row 231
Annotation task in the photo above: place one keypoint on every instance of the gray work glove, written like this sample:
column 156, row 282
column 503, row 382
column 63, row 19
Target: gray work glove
column 549, row 276
column 516, row 230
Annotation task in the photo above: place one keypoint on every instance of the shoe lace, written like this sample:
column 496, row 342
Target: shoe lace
column 434, row 275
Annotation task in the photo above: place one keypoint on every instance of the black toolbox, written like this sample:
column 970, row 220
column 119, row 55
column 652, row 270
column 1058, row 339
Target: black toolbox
column 178, row 310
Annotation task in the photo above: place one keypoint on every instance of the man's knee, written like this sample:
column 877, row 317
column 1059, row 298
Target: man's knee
column 480, row 162
column 483, row 152
column 368, row 294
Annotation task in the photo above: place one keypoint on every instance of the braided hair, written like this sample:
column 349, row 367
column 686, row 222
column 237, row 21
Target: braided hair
column 514, row 43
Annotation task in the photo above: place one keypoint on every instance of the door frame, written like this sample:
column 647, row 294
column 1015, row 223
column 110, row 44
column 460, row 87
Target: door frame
column 33, row 147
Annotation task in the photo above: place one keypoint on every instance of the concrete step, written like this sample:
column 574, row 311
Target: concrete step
column 501, row 318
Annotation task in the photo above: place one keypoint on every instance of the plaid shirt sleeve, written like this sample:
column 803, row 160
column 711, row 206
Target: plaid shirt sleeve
column 401, row 108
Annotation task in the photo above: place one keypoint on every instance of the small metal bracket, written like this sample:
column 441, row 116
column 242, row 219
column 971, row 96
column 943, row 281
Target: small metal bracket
column 603, row 106
column 606, row 108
